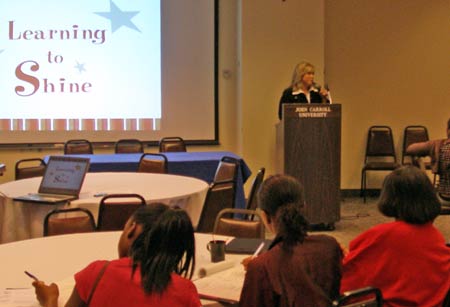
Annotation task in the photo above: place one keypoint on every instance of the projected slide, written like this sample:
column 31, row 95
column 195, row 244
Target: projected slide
column 80, row 65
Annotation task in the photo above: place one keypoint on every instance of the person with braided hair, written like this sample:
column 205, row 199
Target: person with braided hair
column 156, row 261
column 298, row 269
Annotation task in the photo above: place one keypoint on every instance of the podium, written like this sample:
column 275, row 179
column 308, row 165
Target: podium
column 309, row 144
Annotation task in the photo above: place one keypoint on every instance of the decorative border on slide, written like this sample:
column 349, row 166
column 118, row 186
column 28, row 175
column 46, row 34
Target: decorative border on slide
column 99, row 124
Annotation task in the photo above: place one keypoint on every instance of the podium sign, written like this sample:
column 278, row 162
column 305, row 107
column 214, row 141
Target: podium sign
column 311, row 152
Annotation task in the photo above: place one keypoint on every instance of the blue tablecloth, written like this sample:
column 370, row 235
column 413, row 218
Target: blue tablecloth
column 200, row 165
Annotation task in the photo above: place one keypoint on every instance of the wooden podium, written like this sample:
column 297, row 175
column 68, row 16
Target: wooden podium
column 309, row 141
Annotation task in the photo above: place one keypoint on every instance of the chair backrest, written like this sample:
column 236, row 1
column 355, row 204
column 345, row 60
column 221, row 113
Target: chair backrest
column 65, row 221
column 227, row 169
column 115, row 209
column 77, row 147
column 411, row 135
column 28, row 168
column 252, row 202
column 240, row 228
column 380, row 143
column 364, row 297
column 129, row 146
column 172, row 144
column 153, row 163
column 220, row 195
column 447, row 297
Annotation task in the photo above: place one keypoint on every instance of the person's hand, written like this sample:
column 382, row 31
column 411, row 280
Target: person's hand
column 46, row 295
column 323, row 92
column 344, row 250
column 246, row 261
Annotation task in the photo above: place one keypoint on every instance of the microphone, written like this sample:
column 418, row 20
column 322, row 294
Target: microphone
column 329, row 93
column 317, row 86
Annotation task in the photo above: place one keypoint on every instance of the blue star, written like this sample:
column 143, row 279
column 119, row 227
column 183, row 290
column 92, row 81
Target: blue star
column 119, row 18
column 80, row 67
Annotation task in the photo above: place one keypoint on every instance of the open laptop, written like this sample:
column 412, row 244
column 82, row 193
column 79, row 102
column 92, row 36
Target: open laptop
column 61, row 182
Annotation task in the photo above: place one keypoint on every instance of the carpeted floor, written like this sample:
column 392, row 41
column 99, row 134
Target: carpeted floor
column 357, row 217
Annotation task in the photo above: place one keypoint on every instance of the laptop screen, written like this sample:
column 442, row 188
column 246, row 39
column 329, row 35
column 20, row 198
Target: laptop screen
column 64, row 175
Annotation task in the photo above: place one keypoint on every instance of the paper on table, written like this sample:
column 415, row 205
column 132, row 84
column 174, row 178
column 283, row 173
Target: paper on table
column 18, row 297
column 223, row 286
column 215, row 267
column 26, row 297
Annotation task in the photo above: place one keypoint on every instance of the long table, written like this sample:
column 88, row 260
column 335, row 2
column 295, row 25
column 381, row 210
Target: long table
column 201, row 165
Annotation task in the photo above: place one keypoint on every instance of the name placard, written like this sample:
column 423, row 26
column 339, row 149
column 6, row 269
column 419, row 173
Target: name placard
column 295, row 111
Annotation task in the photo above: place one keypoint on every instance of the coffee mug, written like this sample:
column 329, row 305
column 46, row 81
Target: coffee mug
column 217, row 250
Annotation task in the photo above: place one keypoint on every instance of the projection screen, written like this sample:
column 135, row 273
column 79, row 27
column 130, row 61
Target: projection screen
column 104, row 70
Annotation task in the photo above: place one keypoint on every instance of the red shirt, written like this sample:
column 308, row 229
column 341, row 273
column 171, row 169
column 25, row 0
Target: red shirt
column 409, row 263
column 117, row 288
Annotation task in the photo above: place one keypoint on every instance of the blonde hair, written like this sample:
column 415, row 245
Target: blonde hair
column 300, row 70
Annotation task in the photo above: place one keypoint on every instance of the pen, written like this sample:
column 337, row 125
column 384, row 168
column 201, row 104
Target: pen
column 31, row 275
column 258, row 250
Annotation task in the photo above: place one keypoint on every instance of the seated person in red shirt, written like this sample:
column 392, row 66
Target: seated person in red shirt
column 298, row 269
column 156, row 249
column 406, row 259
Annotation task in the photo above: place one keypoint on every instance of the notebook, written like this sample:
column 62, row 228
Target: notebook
column 61, row 182
column 246, row 245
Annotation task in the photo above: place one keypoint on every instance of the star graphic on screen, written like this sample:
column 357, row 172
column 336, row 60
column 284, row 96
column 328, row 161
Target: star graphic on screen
column 119, row 18
column 80, row 67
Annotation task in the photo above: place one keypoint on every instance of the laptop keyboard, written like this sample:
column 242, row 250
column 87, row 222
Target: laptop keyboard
column 50, row 197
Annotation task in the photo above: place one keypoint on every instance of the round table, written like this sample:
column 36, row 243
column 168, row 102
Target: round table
column 58, row 258
column 24, row 220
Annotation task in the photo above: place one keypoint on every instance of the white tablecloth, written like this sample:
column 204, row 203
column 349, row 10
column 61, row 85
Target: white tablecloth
column 22, row 220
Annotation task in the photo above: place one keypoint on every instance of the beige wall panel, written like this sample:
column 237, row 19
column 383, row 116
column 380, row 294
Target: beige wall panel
column 388, row 63
column 276, row 35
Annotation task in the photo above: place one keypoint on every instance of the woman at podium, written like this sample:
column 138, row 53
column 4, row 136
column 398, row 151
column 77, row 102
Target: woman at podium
column 303, row 89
